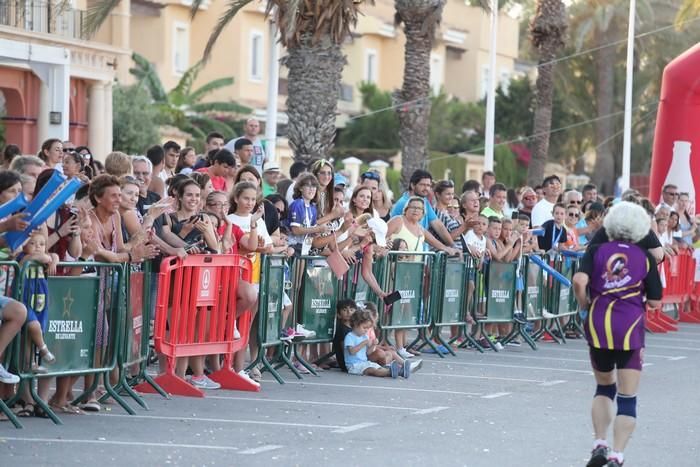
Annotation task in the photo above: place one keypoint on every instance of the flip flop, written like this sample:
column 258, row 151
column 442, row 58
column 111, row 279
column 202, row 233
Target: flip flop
column 67, row 409
column 27, row 411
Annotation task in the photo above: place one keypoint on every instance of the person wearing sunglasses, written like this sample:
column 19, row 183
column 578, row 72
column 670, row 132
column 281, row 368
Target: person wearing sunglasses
column 669, row 196
column 573, row 216
column 420, row 185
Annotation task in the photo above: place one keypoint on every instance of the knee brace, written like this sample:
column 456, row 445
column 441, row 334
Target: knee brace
column 627, row 405
column 608, row 391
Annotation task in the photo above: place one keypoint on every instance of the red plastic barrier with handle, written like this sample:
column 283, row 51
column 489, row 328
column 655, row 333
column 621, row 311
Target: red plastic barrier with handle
column 196, row 316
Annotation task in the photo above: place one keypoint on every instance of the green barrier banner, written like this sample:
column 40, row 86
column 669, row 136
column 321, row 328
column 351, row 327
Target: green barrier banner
column 453, row 294
column 408, row 281
column 275, row 291
column 319, row 299
column 72, row 319
column 501, row 291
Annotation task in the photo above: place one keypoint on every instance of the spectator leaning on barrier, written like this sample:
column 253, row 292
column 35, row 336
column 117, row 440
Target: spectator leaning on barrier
column 542, row 212
column 555, row 234
column 611, row 284
column 497, row 201
column 420, row 185
column 444, row 197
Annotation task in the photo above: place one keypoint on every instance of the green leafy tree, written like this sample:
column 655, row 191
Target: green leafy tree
column 183, row 107
column 379, row 129
column 134, row 119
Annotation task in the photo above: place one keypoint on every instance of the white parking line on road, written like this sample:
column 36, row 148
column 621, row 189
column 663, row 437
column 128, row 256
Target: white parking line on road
column 389, row 388
column 220, row 420
column 495, row 395
column 351, row 428
column 430, row 410
column 303, row 402
column 553, row 383
column 675, row 359
column 258, row 450
column 119, row 443
column 497, row 378
column 499, row 365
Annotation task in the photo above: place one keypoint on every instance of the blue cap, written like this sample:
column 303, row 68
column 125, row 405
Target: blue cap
column 340, row 180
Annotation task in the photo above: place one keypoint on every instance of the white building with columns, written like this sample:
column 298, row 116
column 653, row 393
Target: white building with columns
column 54, row 84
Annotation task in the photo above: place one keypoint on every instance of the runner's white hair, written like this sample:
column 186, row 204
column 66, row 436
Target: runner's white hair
column 627, row 222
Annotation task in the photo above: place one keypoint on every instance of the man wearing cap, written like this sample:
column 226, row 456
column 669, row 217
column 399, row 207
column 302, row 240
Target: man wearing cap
column 270, row 176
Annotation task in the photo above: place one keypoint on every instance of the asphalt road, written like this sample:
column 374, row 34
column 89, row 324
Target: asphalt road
column 515, row 408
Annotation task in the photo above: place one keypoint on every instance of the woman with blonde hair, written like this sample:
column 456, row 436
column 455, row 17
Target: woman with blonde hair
column 381, row 203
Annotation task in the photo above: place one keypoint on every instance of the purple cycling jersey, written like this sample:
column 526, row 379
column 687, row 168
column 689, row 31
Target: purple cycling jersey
column 621, row 275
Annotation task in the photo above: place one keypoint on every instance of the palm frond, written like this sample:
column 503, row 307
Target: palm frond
column 180, row 93
column 97, row 14
column 208, row 124
column 147, row 76
column 234, row 6
column 688, row 10
column 194, row 9
column 232, row 107
column 211, row 86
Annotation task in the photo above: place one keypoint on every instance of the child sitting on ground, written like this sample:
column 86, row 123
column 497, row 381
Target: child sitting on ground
column 357, row 345
column 36, row 294
column 344, row 310
column 384, row 354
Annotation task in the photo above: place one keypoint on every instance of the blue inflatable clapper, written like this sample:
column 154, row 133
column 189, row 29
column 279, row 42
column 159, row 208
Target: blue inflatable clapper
column 573, row 254
column 537, row 232
column 12, row 206
column 15, row 239
column 43, row 196
column 556, row 274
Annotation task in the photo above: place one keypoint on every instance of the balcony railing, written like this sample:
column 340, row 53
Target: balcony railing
column 42, row 16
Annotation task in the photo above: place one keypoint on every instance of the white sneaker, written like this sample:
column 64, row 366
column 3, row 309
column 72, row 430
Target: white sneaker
column 305, row 332
column 405, row 354
column 236, row 334
column 6, row 377
column 498, row 345
column 416, row 365
column 244, row 374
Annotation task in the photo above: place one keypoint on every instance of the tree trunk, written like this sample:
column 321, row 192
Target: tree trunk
column 547, row 31
column 604, row 172
column 315, row 73
column 419, row 18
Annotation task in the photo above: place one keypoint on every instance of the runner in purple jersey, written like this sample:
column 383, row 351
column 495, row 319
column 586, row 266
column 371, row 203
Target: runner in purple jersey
column 613, row 281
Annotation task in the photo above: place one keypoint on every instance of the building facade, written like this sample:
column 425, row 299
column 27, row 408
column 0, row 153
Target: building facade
column 53, row 82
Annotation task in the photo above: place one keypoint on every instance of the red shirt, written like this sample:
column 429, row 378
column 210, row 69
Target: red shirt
column 219, row 183
column 237, row 236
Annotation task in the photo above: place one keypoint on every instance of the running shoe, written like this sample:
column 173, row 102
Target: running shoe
column 496, row 344
column 394, row 368
column 202, row 382
column 519, row 317
column 403, row 353
column 305, row 332
column 244, row 374
column 599, row 457
column 290, row 335
column 514, row 343
column 6, row 377
column 415, row 365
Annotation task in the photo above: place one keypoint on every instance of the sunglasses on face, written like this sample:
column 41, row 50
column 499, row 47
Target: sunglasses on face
column 574, row 214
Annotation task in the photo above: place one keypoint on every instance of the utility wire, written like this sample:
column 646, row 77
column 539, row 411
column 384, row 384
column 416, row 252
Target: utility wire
column 477, row 150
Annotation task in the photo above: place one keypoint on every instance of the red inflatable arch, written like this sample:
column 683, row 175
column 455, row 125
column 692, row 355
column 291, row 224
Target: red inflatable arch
column 676, row 156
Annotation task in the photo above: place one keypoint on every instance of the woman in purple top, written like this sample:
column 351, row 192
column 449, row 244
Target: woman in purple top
column 611, row 285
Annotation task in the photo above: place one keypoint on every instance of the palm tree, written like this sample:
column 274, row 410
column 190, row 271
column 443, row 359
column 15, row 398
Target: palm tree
column 313, row 33
column 689, row 9
column 420, row 19
column 182, row 107
column 547, row 32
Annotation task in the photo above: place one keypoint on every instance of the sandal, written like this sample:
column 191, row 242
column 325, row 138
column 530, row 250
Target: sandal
column 67, row 409
column 255, row 375
column 46, row 355
column 40, row 413
column 27, row 411
column 414, row 352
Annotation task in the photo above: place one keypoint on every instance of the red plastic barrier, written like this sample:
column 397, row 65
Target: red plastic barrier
column 679, row 272
column 196, row 316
